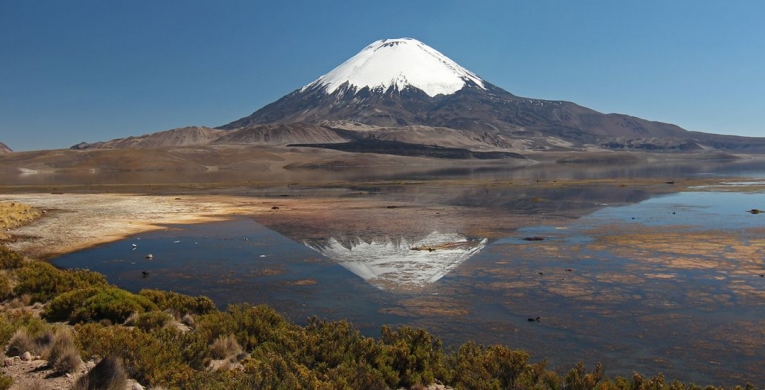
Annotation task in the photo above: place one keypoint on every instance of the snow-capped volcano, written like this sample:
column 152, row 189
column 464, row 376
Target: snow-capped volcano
column 398, row 63
column 411, row 93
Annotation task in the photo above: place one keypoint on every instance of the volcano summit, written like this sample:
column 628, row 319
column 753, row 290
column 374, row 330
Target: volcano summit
column 397, row 64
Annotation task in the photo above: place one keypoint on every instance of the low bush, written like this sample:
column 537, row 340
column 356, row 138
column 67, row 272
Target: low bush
column 253, row 326
column 6, row 290
column 5, row 382
column 96, row 304
column 152, row 320
column 161, row 356
column 63, row 307
column 10, row 259
column 112, row 304
column 179, row 303
column 45, row 282
column 10, row 322
column 416, row 355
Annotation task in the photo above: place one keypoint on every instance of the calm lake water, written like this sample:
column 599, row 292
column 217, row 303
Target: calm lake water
column 652, row 283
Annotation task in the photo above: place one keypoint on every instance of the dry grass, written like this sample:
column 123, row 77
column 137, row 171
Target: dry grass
column 20, row 342
column 130, row 321
column 14, row 214
column 225, row 347
column 63, row 356
column 108, row 374
column 188, row 320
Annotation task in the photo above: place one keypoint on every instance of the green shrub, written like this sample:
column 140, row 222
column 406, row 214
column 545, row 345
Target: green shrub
column 62, row 307
column 496, row 367
column 96, row 304
column 152, row 320
column 10, row 259
column 161, row 356
column 6, row 290
column 416, row 356
column 111, row 304
column 10, row 322
column 577, row 379
column 44, row 281
column 271, row 370
column 179, row 303
column 5, row 382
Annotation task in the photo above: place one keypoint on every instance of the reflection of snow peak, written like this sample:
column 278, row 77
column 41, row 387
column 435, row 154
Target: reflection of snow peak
column 400, row 264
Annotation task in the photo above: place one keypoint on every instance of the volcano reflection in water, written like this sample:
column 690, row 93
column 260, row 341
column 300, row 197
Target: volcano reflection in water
column 398, row 264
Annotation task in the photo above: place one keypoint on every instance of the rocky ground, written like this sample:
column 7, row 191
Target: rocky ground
column 31, row 372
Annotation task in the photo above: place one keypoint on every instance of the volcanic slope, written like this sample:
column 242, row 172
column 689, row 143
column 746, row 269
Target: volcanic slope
column 4, row 148
column 185, row 136
column 403, row 82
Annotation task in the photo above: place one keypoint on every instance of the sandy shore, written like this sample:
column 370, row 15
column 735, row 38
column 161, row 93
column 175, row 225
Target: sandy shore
column 76, row 221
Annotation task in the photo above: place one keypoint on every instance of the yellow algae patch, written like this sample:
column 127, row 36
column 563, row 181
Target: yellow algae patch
column 265, row 272
column 686, row 250
column 428, row 307
column 507, row 285
column 620, row 278
column 661, row 276
column 303, row 282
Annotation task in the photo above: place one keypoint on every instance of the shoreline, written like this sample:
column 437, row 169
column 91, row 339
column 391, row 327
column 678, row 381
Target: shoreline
column 74, row 222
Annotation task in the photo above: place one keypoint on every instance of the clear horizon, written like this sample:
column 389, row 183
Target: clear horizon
column 92, row 71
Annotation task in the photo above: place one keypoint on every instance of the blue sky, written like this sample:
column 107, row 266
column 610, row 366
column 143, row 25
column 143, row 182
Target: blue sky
column 73, row 71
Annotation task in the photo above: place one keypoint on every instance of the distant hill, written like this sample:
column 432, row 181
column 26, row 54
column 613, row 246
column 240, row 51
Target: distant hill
column 4, row 148
column 283, row 134
column 185, row 136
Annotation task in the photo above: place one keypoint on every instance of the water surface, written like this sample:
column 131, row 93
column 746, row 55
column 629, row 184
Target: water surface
column 638, row 280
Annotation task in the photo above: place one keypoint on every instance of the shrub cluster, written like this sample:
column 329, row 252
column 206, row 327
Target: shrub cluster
column 10, row 259
column 45, row 282
column 179, row 303
column 97, row 304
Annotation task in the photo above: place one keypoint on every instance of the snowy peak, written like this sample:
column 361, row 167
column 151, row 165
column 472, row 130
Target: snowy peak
column 398, row 63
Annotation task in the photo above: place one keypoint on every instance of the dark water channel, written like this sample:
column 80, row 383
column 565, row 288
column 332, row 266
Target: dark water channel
column 639, row 281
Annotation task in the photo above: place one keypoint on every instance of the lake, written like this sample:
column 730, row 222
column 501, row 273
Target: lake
column 640, row 277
